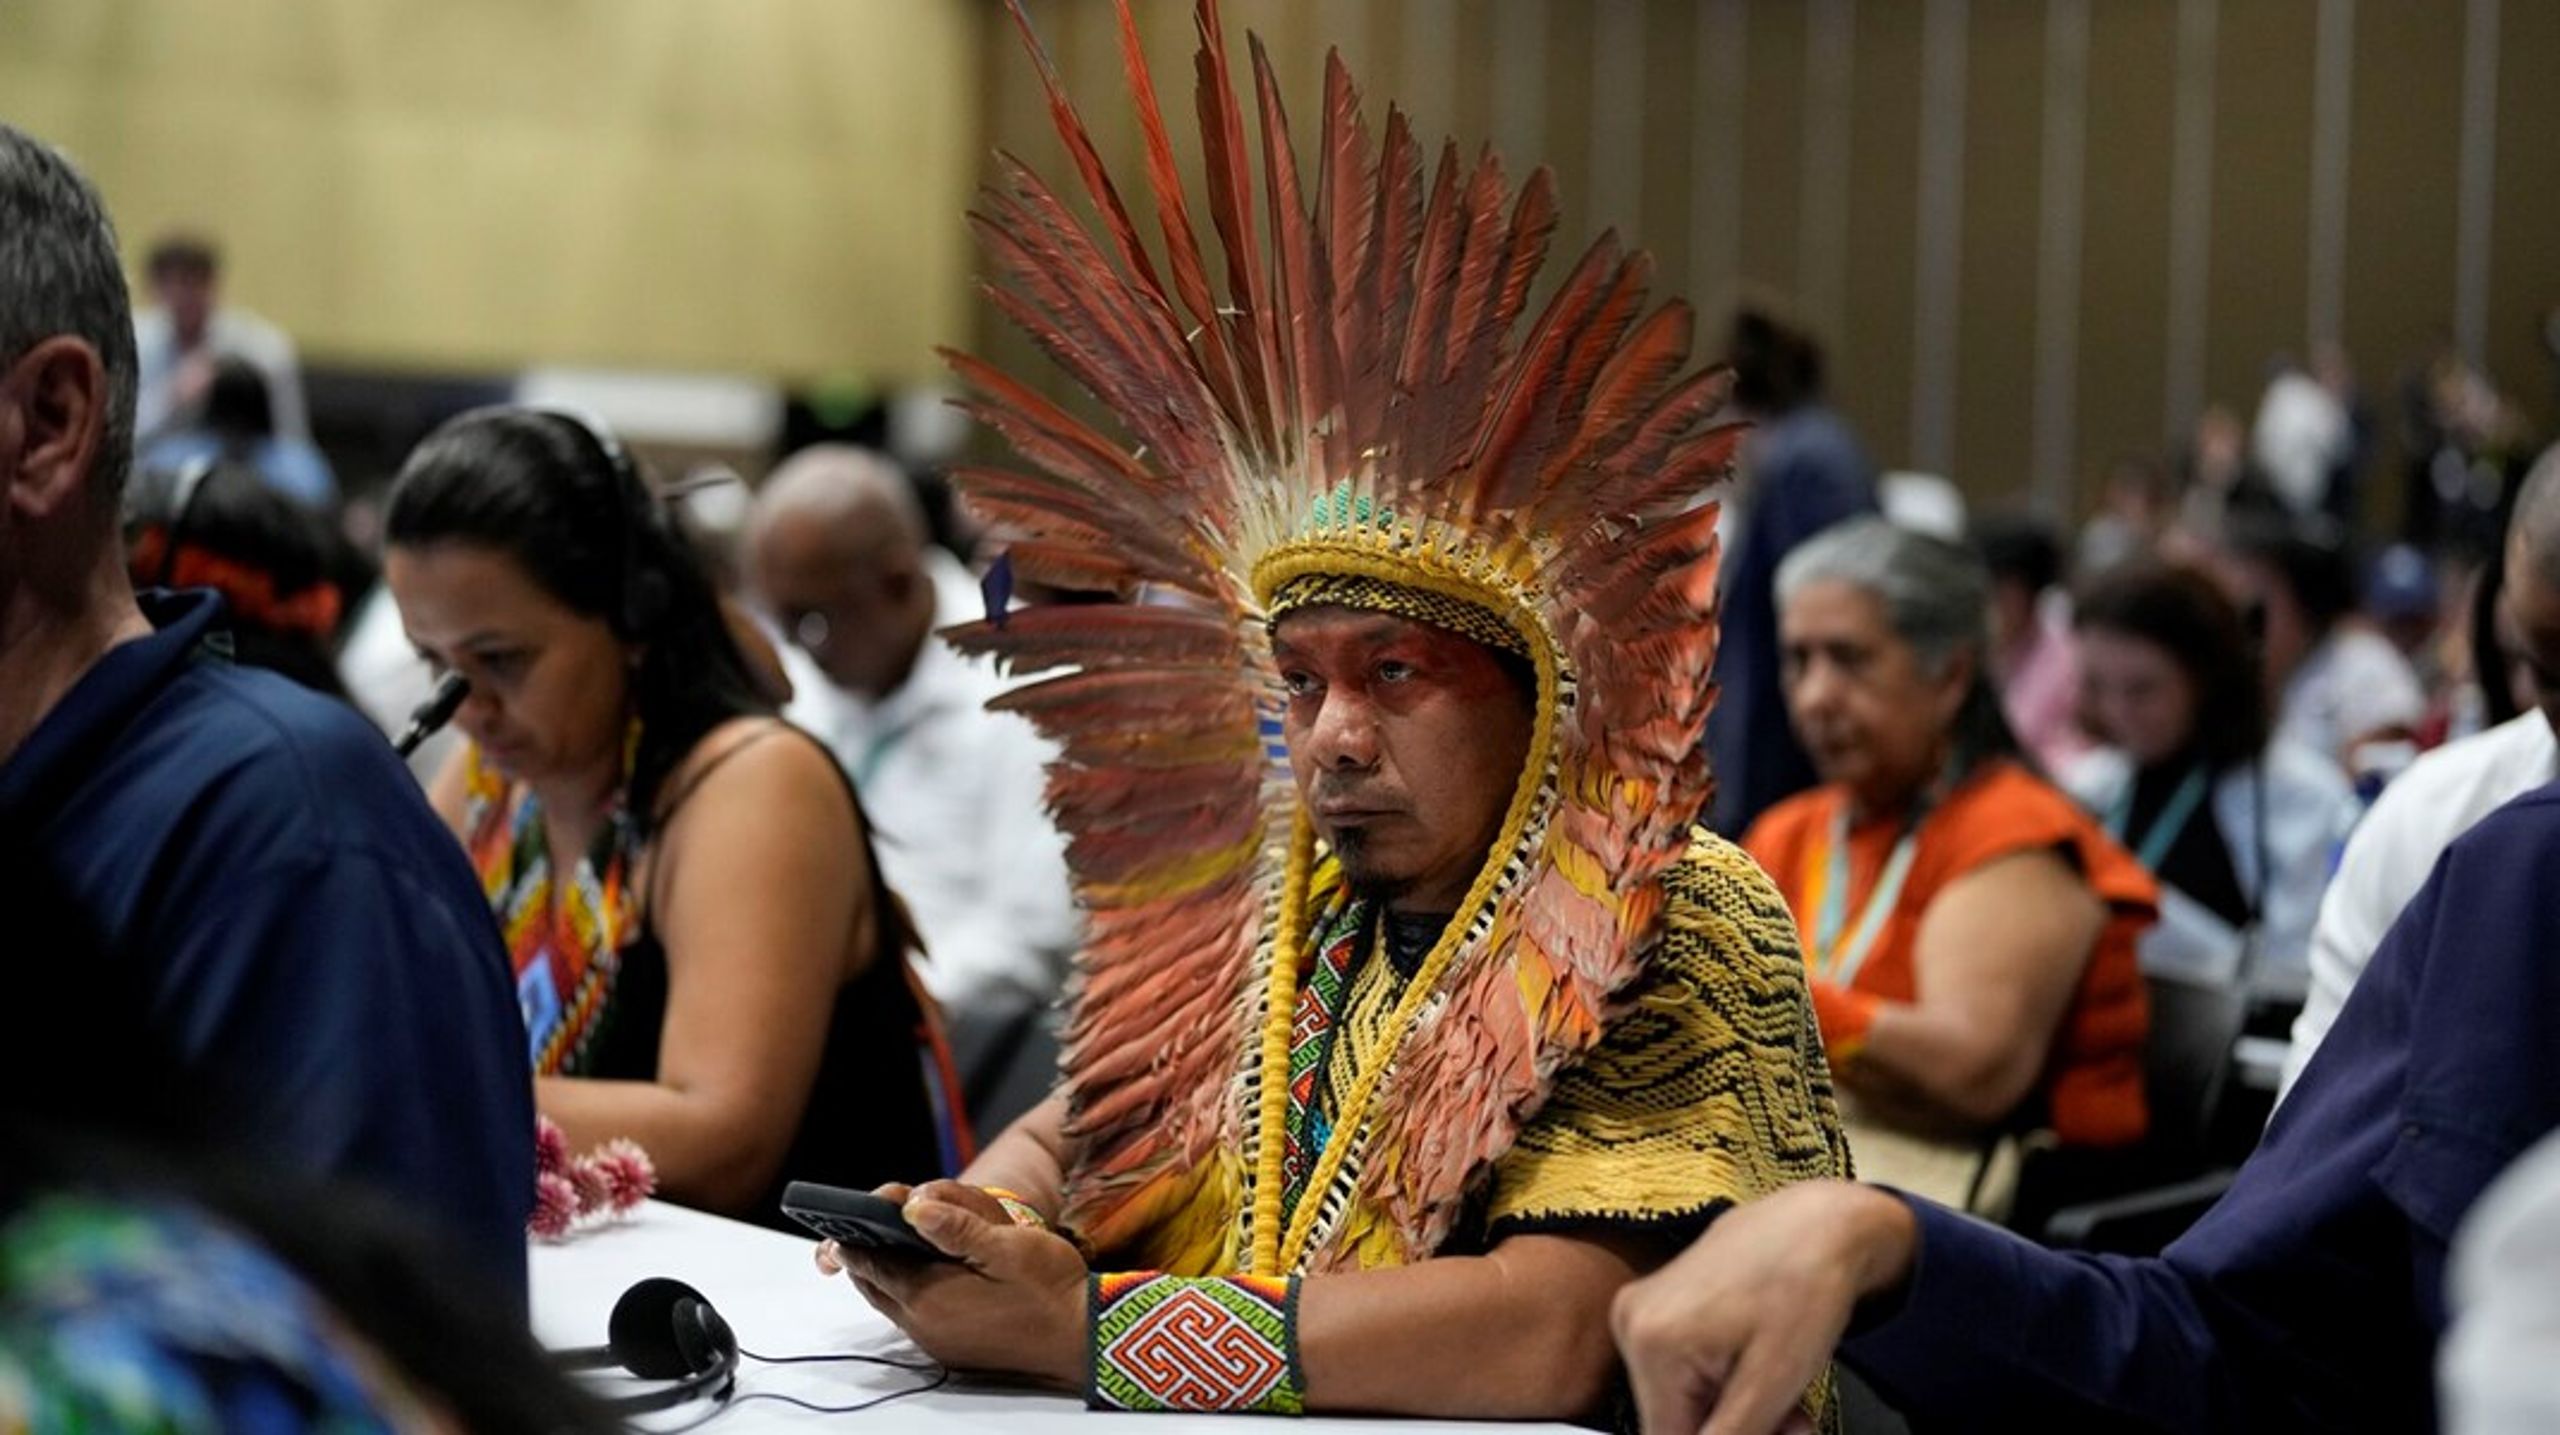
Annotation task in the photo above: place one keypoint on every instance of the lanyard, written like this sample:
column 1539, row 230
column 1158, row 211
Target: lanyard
column 2164, row 829
column 1834, row 959
column 868, row 767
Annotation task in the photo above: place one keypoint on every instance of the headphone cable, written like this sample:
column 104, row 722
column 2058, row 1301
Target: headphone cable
column 941, row 1378
column 918, row 1367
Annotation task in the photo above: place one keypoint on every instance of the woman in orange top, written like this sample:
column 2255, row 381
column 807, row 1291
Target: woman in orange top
column 1971, row 932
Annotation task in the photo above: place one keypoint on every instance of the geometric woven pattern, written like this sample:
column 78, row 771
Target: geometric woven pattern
column 1310, row 1047
column 1710, row 1088
column 1212, row 1344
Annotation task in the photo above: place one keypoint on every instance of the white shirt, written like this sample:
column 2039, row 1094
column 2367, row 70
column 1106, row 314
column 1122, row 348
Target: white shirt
column 956, row 799
column 2309, row 811
column 228, row 331
column 2353, row 684
column 2498, row 1372
column 2396, row 846
column 2302, row 433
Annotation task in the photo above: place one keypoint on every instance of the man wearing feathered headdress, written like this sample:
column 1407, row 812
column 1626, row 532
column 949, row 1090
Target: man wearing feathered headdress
column 1416, row 1018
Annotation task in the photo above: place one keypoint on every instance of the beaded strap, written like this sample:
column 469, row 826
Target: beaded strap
column 1195, row 1343
column 1022, row 1211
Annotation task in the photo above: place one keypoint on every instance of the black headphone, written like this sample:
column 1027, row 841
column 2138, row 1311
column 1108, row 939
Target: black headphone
column 663, row 1329
column 646, row 591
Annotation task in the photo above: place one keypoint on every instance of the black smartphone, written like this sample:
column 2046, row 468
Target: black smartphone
column 858, row 1219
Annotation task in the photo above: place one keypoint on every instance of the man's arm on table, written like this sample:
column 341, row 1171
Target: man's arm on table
column 1518, row 1333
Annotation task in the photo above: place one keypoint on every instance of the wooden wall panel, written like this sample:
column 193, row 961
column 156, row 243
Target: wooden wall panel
column 2124, row 293
column 2402, row 181
column 1772, row 141
column 2524, row 242
column 768, row 186
column 1871, row 355
column 775, row 186
column 2258, row 291
column 2403, row 110
column 1995, row 384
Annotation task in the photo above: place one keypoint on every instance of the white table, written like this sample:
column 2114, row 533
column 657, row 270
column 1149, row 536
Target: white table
column 764, row 1284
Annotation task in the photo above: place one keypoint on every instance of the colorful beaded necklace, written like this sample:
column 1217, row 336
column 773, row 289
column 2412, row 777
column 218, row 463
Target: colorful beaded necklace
column 566, row 944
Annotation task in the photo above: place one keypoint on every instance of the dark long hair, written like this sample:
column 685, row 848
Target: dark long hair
column 2187, row 615
column 278, row 565
column 2309, row 555
column 238, row 406
column 562, row 500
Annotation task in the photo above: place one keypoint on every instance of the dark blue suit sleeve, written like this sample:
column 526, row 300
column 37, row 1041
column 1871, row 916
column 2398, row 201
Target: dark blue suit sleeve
column 2310, row 1297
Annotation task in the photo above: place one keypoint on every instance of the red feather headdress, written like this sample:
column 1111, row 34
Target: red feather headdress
column 1356, row 396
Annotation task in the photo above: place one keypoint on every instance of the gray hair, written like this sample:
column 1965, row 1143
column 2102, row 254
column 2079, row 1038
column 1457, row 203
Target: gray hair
column 59, row 275
column 1936, row 596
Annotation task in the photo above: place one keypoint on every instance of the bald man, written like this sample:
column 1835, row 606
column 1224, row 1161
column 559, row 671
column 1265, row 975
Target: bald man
column 837, row 558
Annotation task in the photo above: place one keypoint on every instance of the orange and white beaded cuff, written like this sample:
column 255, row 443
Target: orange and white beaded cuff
column 1204, row 1344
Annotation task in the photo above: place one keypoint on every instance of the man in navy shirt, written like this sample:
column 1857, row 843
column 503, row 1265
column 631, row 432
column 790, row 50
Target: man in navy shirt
column 316, row 949
column 2310, row 1298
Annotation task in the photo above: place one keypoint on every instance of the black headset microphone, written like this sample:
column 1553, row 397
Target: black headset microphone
column 430, row 716
column 663, row 1329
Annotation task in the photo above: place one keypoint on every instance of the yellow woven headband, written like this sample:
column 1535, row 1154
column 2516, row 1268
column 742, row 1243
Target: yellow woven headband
column 1376, row 595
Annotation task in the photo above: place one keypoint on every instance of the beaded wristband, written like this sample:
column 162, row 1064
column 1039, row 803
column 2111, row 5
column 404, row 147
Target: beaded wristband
column 1195, row 1343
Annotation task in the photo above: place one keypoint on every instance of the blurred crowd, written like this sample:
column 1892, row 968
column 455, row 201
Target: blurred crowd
column 2088, row 831
column 2193, row 700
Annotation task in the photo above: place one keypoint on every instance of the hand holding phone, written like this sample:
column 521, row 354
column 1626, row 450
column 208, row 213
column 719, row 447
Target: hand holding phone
column 857, row 1219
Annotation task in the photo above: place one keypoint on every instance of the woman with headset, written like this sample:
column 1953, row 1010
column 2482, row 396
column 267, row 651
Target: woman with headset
column 706, row 958
column 2240, row 826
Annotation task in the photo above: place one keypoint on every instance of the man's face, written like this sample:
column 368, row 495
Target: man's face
column 854, row 612
column 1407, row 742
column 187, row 293
column 2529, row 629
